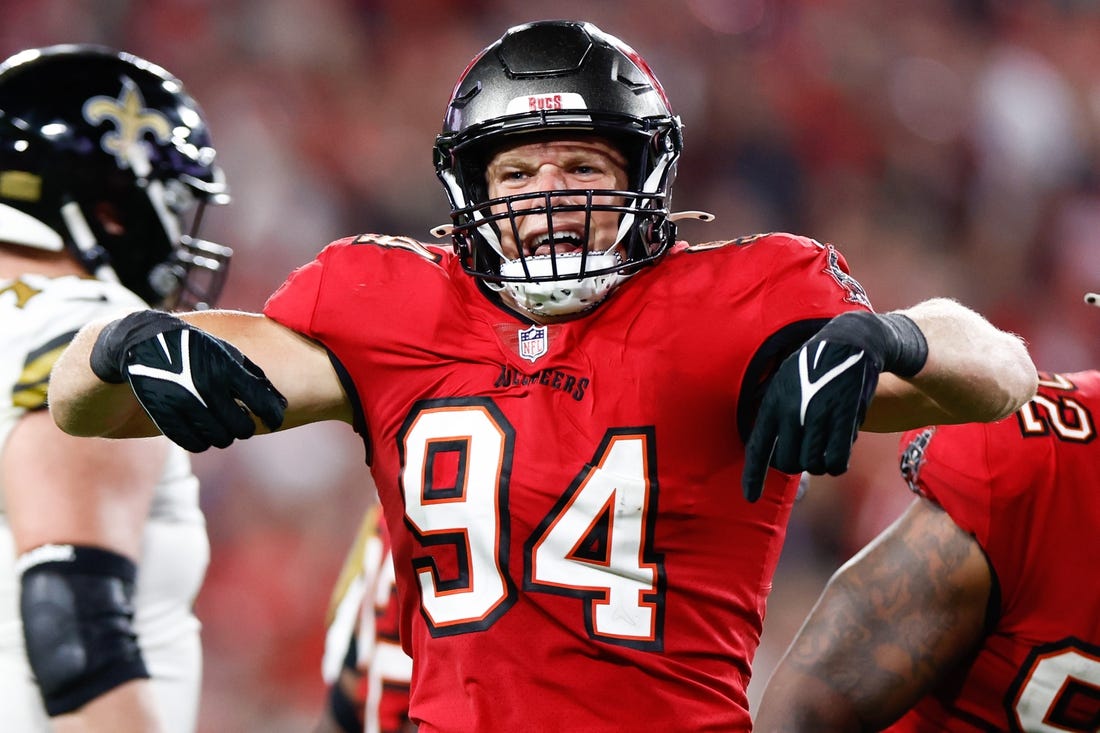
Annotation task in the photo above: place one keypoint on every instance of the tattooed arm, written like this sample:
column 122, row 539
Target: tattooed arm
column 899, row 615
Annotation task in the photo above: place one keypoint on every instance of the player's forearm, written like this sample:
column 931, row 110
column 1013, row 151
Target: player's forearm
column 974, row 373
column 797, row 703
column 845, row 671
column 831, row 679
column 84, row 405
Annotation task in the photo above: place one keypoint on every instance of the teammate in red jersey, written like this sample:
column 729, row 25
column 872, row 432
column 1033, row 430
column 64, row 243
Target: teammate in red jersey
column 366, row 671
column 977, row 610
column 559, row 408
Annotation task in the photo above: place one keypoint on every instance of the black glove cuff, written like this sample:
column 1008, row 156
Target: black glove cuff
column 910, row 350
column 109, row 352
column 892, row 338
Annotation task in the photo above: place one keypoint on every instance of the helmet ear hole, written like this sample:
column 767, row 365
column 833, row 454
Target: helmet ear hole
column 660, row 230
column 109, row 219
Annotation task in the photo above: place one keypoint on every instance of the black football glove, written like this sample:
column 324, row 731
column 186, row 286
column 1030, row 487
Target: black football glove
column 200, row 391
column 813, row 407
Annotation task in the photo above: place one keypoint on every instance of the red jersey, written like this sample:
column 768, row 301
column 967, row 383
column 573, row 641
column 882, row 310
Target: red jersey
column 1028, row 489
column 570, row 542
column 363, row 623
column 387, row 666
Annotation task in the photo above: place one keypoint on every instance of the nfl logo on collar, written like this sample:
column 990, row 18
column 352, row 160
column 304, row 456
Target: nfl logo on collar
column 532, row 342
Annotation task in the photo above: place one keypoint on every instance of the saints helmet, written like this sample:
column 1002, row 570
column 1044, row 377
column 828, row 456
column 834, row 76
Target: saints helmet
column 558, row 78
column 105, row 155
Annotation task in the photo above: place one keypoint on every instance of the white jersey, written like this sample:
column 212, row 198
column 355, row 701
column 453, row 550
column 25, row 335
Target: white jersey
column 38, row 318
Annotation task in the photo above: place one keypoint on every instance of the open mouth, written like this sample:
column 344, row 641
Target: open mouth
column 560, row 243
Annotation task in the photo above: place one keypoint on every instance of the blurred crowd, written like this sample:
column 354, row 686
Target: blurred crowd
column 946, row 147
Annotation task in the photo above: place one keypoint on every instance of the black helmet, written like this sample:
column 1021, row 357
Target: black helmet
column 106, row 155
column 550, row 78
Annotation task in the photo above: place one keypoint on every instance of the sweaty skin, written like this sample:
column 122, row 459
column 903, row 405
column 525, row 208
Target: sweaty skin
column 556, row 165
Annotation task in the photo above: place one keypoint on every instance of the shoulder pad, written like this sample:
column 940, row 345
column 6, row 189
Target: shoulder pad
column 388, row 241
column 751, row 238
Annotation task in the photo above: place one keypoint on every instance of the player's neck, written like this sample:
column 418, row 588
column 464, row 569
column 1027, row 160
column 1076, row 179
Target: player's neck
column 16, row 261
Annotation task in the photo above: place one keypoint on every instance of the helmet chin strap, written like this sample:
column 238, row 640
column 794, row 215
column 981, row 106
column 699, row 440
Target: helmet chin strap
column 85, row 242
column 137, row 159
column 561, row 297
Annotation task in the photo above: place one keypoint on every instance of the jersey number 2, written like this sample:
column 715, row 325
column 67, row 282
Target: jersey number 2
column 1067, row 418
column 595, row 544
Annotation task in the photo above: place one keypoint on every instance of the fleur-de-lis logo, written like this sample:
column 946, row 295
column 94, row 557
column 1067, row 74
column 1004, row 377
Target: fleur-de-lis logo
column 131, row 120
column 23, row 292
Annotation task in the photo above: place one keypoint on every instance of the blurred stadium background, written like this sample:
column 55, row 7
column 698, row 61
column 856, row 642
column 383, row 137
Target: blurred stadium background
column 947, row 147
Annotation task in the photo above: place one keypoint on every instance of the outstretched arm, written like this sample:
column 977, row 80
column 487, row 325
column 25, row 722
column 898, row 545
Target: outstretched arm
column 82, row 404
column 905, row 610
column 974, row 373
column 935, row 363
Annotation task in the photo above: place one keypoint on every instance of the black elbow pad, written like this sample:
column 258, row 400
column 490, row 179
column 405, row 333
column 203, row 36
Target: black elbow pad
column 77, row 610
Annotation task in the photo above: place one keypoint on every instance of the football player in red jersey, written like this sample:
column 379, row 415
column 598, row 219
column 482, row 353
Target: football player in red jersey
column 559, row 407
column 978, row 609
column 366, row 671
